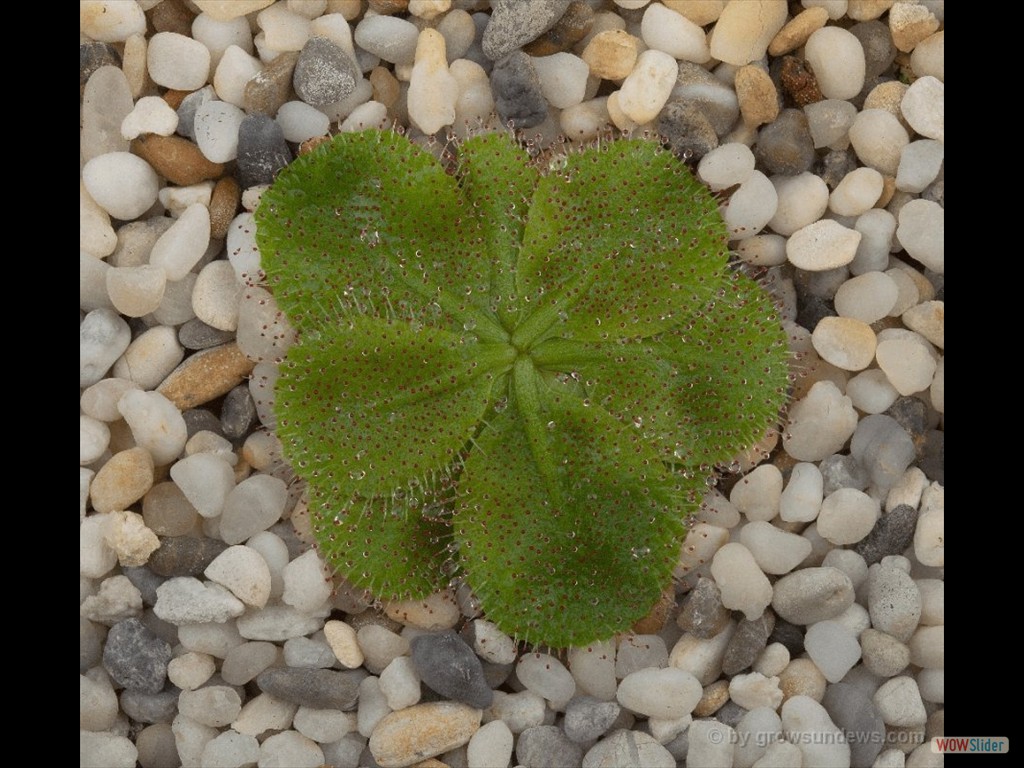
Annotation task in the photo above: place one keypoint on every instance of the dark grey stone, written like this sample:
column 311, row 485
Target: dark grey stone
column 854, row 712
column 790, row 635
column 145, row 581
column 151, row 707
column 518, row 99
column 262, row 150
column 892, row 534
column 811, row 309
column 842, row 471
column 201, row 420
column 747, row 642
column 447, row 665
column 195, row 334
column 324, row 73
column 93, row 55
column 187, row 111
column 910, row 413
column 238, row 413
column 702, row 613
column 546, row 746
column 90, row 644
column 514, row 23
column 587, row 718
column 135, row 657
column 879, row 50
column 835, row 165
column 316, row 688
column 932, row 460
column 686, row 129
column 716, row 100
column 785, row 146
column 184, row 556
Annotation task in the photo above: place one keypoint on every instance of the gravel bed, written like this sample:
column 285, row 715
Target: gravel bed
column 807, row 622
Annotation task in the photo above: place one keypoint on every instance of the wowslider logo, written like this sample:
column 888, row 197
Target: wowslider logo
column 999, row 745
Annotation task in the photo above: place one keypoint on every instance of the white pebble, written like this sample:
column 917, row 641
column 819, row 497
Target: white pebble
column 150, row 115
column 751, row 207
column 757, row 494
column 820, row 423
column 243, row 253
column 151, row 357
column 868, row 297
column 844, row 342
column 593, row 669
column 923, row 106
column 745, row 29
column 702, row 658
column 205, row 479
column 929, row 56
column 802, row 199
column 665, row 30
column 283, row 30
column 178, row 62
column 894, row 601
column 710, row 742
column 700, row 546
column 230, row 749
column 585, row 121
column 763, row 250
column 646, row 89
column 927, row 647
column 243, row 571
column 773, row 659
column 292, row 749
column 726, row 165
column 233, row 71
column 871, row 391
column 491, row 644
column 96, row 236
column 324, row 725
column 252, row 506
column 182, row 246
column 275, row 552
column 743, row 584
column 307, row 580
column 518, row 711
column 400, row 683
column 93, row 439
column 156, row 423
column 833, row 648
column 823, row 245
column 665, row 694
column 216, row 129
column 135, row 291
column 921, row 231
column 756, row 730
column 216, row 295
column 475, row 100
column 920, row 163
column 276, row 623
column 219, row 35
column 459, row 31
column 299, row 121
column 878, row 138
column 110, row 21
column 106, row 749
column 929, row 538
column 858, row 191
column 877, row 228
column 118, row 599
column 837, row 58
column 829, row 121
column 809, row 726
column 96, row 558
column 775, row 551
column 547, row 677
column 563, row 78
column 372, row 114
column 491, row 745
column 391, row 38
column 907, row 361
column 432, row 89
column 341, row 637
column 122, row 184
column 753, row 690
column 899, row 702
column 185, row 600
column 191, row 670
column 801, row 498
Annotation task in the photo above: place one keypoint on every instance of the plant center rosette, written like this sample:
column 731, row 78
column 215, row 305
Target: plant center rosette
column 523, row 376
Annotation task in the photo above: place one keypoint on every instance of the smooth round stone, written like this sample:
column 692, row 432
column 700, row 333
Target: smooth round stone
column 927, row 647
column 899, row 702
column 847, row 516
column 894, row 601
column 122, row 480
column 929, row 57
column 757, row 495
column 921, row 231
column 563, row 79
column 763, row 250
column 178, row 62
column 776, row 551
column 877, row 228
column 307, row 582
column 812, row 594
column 857, row 192
column 149, row 358
column 802, row 199
column 424, row 730
column 593, row 669
column 884, row 448
column 167, row 512
column 156, row 424
column 829, row 122
column 252, row 506
column 93, row 438
column 883, row 654
column 136, row 291
column 868, row 297
column 744, row 30
column 667, row 693
column 639, row 652
column 244, row 572
column 751, row 207
column 907, row 363
column 646, row 89
column 611, row 54
column 216, row 130
column 216, row 296
column 230, row 748
column 823, row 245
column 837, row 58
column 585, row 121
column 820, row 423
column 262, row 151
column 391, row 38
column 106, row 102
column 878, row 138
column 181, row 247
column 871, row 391
column 920, row 163
column 547, row 677
column 110, row 21
column 299, row 121
column 665, row 30
column 489, row 746
column 844, row 342
column 291, row 748
column 234, row 70
column 186, row 600
column 912, row 24
column 206, row 480
column 785, row 146
column 809, row 727
column 219, row 35
column 801, row 498
column 928, row 319
column 726, row 165
column 123, row 185
column 757, row 96
column 215, row 705
column 324, row 73
column 283, row 29
column 744, row 586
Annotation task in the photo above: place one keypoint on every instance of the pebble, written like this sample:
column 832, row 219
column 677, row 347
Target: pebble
column 217, row 125
column 177, row 61
column 801, row 498
column 323, row 725
column 491, row 745
column 646, row 89
column 324, row 73
column 628, row 749
column 232, row 72
column 307, row 653
column 820, row 423
column 785, row 146
column 744, row 30
column 269, row 89
column 927, row 647
column 313, row 688
column 93, row 55
column 96, row 558
column 106, row 749
column 106, row 102
column 518, row 98
column 665, row 30
column 725, row 166
column 373, row 706
column 93, row 439
column 857, row 192
column 135, row 291
column 135, row 657
column 190, row 670
column 754, row 690
column 853, row 711
column 181, row 247
column 812, row 730
column 514, row 23
column 300, row 121
column 878, row 138
column 230, row 749
column 702, row 658
column 833, row 648
column 215, row 705
column 894, row 601
column 823, row 245
column 571, row 27
column 206, row 375
column 156, row 745
column 445, row 663
column 757, row 494
column 665, row 693
column 151, row 115
column 587, row 718
column 812, row 595
column 921, row 232
column 244, row 662
column 150, row 357
column 702, row 613
column 796, row 32
column 122, row 480
column 400, row 684
column 123, row 185
column 110, row 22
column 292, row 749
column 802, row 678
column 156, row 424
column 837, row 58
column 844, row 342
column 425, row 730
column 186, row 600
column 829, row 122
column 563, row 79
column 920, row 164
column 639, row 651
column 491, row 644
column 244, row 572
column 685, row 127
column 433, row 91
column 262, row 151
column 380, row 646
column 776, row 551
column 545, row 676
column 224, row 202
column 252, row 506
column 391, row 38
column 868, row 297
column 907, row 362
column 593, row 669
column 744, row 586
column 883, row 654
column 757, row 96
column 117, row 599
column 206, row 480
column 883, row 448
column 750, row 207
column 611, row 54
column 131, row 540
column 216, row 296
column 899, row 702
column 929, row 57
column 910, row 25
column 747, row 642
column 710, row 742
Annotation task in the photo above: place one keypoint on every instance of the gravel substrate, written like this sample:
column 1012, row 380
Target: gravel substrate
column 807, row 622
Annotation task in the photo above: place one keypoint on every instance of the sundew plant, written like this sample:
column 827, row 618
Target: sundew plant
column 516, row 374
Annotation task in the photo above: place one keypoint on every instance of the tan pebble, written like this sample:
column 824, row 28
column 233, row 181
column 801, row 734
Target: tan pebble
column 888, row 190
column 167, row 512
column 224, row 203
column 342, row 639
column 122, row 481
column 796, row 32
column 206, row 375
column 385, row 86
column 744, row 30
column 431, row 762
column 134, row 66
column 700, row 12
column 865, row 10
column 845, row 342
column 310, row 144
column 174, row 98
column 176, row 159
column 437, row 611
column 128, row 536
column 910, row 23
column 568, row 30
column 301, row 523
column 271, row 86
column 408, row 736
column 389, row 7
column 713, row 699
column 654, row 621
column 226, row 10
column 759, row 101
column 611, row 54
column 802, row 678
column 928, row 319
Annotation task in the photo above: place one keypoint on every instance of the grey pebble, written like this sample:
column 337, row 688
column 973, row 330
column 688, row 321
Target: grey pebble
column 518, row 98
column 135, row 657
column 475, row 53
column 892, row 534
column 447, row 665
column 324, row 73
column 811, row 309
column 686, row 129
column 834, row 166
column 90, row 644
column 910, row 413
column 145, row 581
column 587, row 718
column 201, row 420
column 151, row 707
column 495, row 675
column 307, row 653
column 785, row 146
column 879, row 50
column 262, row 151
column 238, row 413
column 638, row 652
column 271, row 87
column 936, row 192
column 187, row 111
column 790, row 635
column 747, row 642
column 103, row 336
column 93, row 55
column 883, row 448
column 854, row 712
column 633, row 749
column 315, row 688
column 842, row 471
column 184, row 555
column 933, row 456
column 546, row 746
column 812, row 595
column 702, row 613
column 716, row 100
column 514, row 23
column 243, row 662
column 730, row 713
column 195, row 334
